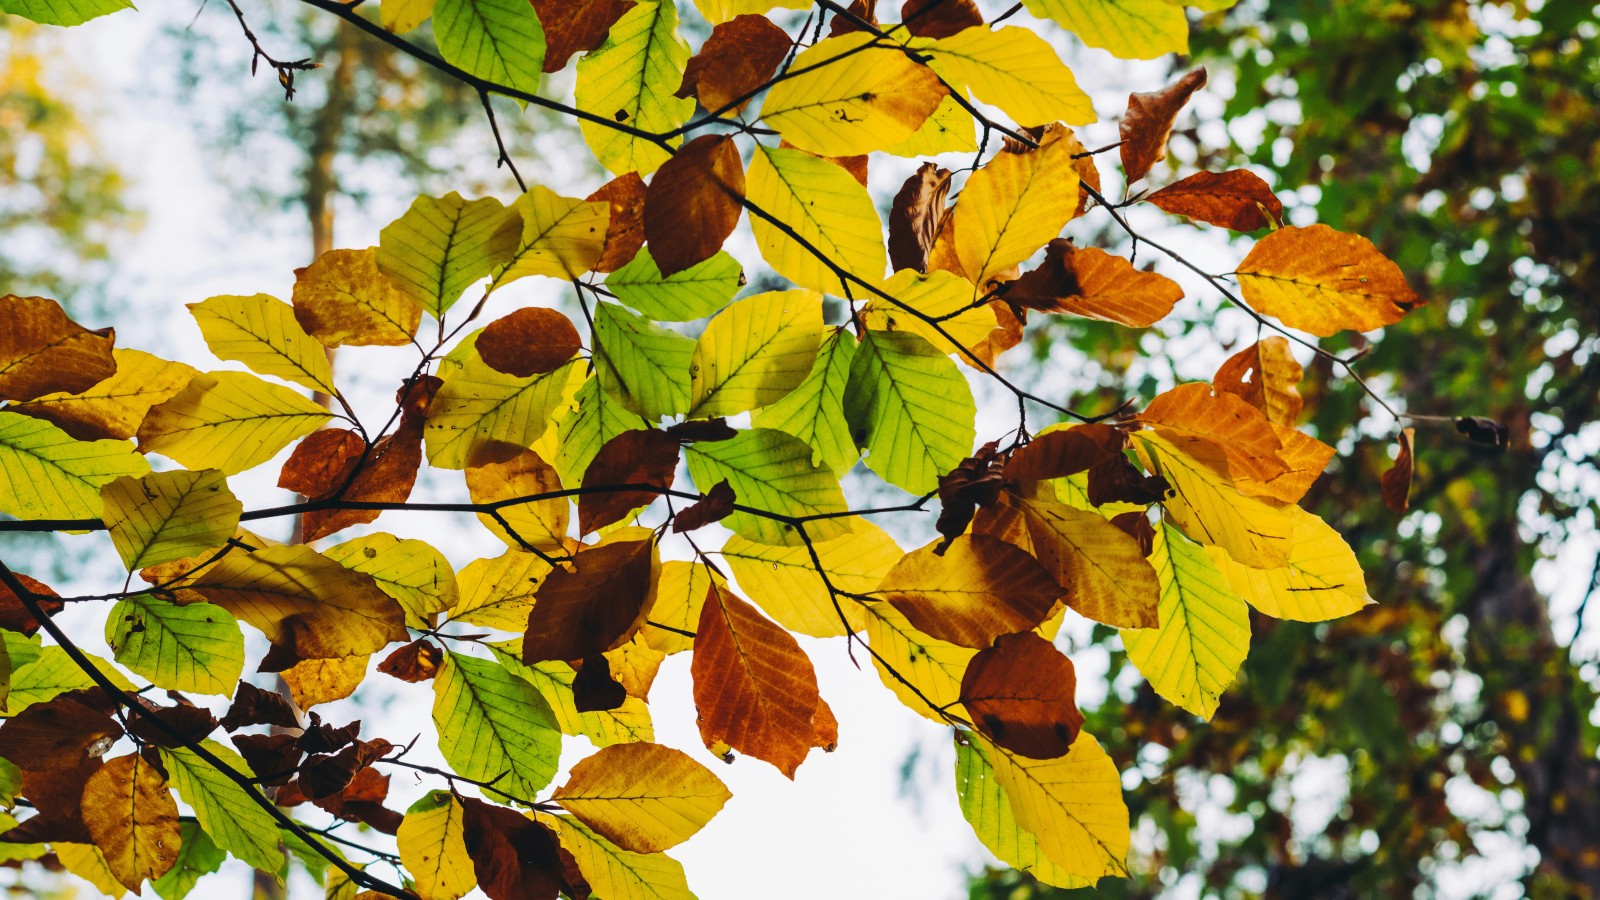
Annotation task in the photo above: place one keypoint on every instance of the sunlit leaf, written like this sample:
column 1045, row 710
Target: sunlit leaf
column 631, row 79
column 773, row 472
column 45, row 474
column 814, row 411
column 262, row 332
column 910, row 407
column 642, row 797
column 820, row 215
column 166, row 516
column 196, row 647
column 494, row 725
column 433, row 849
column 754, row 352
column 842, row 100
column 231, row 421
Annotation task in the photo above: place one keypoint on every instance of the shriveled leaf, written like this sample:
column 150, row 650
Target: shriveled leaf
column 1396, row 482
column 1148, row 124
column 915, row 215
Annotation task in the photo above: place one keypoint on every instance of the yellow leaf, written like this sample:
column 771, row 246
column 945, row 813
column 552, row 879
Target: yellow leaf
column 538, row 523
column 719, row 11
column 823, row 206
column 987, row 808
column 1072, row 805
column 977, row 590
column 936, row 295
column 313, row 682
column 617, row 874
column 1012, row 68
column 949, row 129
column 261, row 332
column 631, row 79
column 754, row 352
column 498, row 593
column 401, row 16
column 167, row 516
column 642, row 797
column 1210, row 510
column 479, row 406
column 342, row 298
column 87, row 862
column 444, row 244
column 231, row 421
column 1321, row 580
column 932, row 667
column 1014, row 205
column 1130, row 29
column 133, row 819
column 1102, row 568
column 562, row 237
column 433, row 848
column 114, row 407
column 1190, row 414
column 680, row 595
column 842, row 100
column 1267, row 376
column 416, row 575
column 783, row 581
column 1324, row 281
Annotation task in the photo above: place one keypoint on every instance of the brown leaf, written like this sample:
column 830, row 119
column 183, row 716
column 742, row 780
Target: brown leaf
column 1480, row 430
column 416, row 662
column 939, row 18
column 1102, row 568
column 978, row 590
column 58, row 734
column 633, row 457
column 594, row 607
column 1149, row 122
column 575, row 26
column 529, row 341
column 1306, row 458
column 320, row 737
column 319, row 464
column 915, row 217
column 1118, row 481
column 1190, row 413
column 342, row 299
column 1397, row 481
column 1092, row 283
column 254, row 706
column 362, row 802
column 134, row 820
column 625, row 230
column 692, row 203
column 1236, row 199
column 973, row 483
column 1021, row 693
column 58, row 796
column 44, row 352
column 193, row 722
column 740, row 56
column 325, row 775
column 1267, row 376
column 754, row 688
column 386, row 476
column 1068, row 451
column 593, row 688
column 1324, row 281
column 515, row 857
column 706, row 430
column 16, row 617
column 1137, row 526
column 716, row 505
column 273, row 758
column 864, row 10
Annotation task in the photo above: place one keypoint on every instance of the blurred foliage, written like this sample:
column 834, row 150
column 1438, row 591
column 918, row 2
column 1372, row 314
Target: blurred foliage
column 1462, row 138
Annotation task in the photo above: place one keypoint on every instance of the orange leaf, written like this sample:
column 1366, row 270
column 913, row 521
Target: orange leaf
column 415, row 662
column 740, row 56
column 1148, row 124
column 1191, row 412
column 1236, row 199
column 44, row 352
column 596, row 605
column 1397, row 481
column 978, row 590
column 1267, row 376
column 1021, row 694
column 1305, row 457
column 633, row 457
column 1092, row 283
column 915, row 217
column 529, row 341
column 133, row 818
column 692, row 203
column 625, row 229
column 1324, row 281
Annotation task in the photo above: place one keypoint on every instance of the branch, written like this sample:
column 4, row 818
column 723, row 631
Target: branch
column 286, row 69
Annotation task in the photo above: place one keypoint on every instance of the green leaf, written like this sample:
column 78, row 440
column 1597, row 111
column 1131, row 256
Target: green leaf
column 643, row 365
column 814, row 411
column 615, row 872
column 987, row 809
column 416, row 575
column 197, row 857
column 479, row 405
column 195, row 647
column 693, row 293
column 754, row 352
column 772, row 471
column 553, row 679
column 497, row 40
column 1205, row 627
column 231, row 421
column 816, row 201
column 262, row 332
column 598, row 418
column 10, row 783
column 224, row 809
column 167, row 516
column 494, row 725
column 63, row 12
column 631, row 79
column 911, row 408
column 442, row 245
column 55, row 673
column 16, row 650
column 46, row 474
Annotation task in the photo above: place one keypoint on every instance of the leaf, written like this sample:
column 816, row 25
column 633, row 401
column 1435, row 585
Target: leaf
column 755, row 352
column 562, row 237
column 1209, row 509
column 987, row 808
column 55, row 673
column 949, row 129
column 784, row 582
column 911, row 408
column 433, row 850
column 773, row 472
column 643, row 797
column 1396, row 482
column 197, row 857
column 1204, row 635
column 754, row 687
column 931, row 668
column 503, row 473
column 640, row 363
column 494, row 725
column 303, row 601
column 57, row 734
column 342, row 298
column 497, row 593
column 1236, row 199
column 1072, row 805
column 45, row 474
column 401, row 16
column 718, row 11
column 1267, row 376
column 338, row 463
column 614, row 872
column 1103, row 569
column 1094, row 284
column 598, row 418
column 915, row 215
column 554, row 680
column 444, row 244
column 233, row 821
column 624, row 197
column 714, row 505
column 693, row 293
column 44, row 352
column 63, row 12
column 640, row 456
column 941, row 296
column 1148, row 124
column 1014, row 205
column 529, row 341
column 1015, row 69
column 820, row 214
column 88, row 863
column 499, row 41
column 842, row 100
column 230, row 421
column 114, row 407
column 515, row 857
column 478, row 406
column 261, row 332
column 693, row 203
column 979, row 589
column 16, row 651
column 1021, row 694
column 631, row 79
column 680, row 594
column 196, row 648
column 1324, row 281
column 415, row 574
column 312, row 682
column 814, row 411
column 1191, row 413
column 1130, row 29
column 1321, row 580
column 166, row 516
column 575, row 26
column 133, row 819
column 596, row 606
column 738, row 59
